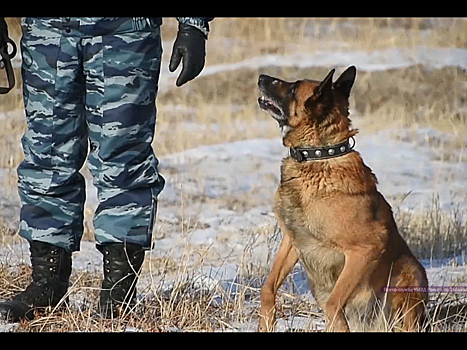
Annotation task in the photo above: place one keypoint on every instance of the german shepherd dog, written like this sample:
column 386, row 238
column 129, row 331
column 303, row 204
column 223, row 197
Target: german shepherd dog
column 332, row 216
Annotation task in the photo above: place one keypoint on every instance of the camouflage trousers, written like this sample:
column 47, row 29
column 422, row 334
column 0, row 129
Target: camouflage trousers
column 89, row 87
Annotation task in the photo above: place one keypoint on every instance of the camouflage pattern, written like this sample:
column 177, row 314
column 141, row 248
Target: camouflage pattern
column 202, row 23
column 89, row 81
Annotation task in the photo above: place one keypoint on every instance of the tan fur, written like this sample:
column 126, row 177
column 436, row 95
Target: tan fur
column 340, row 227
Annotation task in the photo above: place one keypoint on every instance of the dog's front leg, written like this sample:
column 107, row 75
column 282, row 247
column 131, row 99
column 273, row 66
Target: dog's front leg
column 357, row 267
column 286, row 259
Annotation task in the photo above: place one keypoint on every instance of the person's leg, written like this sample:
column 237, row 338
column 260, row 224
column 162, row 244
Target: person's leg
column 122, row 72
column 51, row 189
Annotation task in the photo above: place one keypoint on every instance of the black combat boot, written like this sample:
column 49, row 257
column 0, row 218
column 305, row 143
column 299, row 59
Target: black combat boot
column 51, row 269
column 122, row 264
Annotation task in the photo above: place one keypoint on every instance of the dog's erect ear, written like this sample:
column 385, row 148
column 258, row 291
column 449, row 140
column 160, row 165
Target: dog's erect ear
column 345, row 82
column 322, row 96
column 326, row 85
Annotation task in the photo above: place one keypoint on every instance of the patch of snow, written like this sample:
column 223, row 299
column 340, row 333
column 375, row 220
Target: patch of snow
column 9, row 327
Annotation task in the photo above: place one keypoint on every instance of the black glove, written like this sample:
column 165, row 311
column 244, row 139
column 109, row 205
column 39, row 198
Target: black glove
column 190, row 46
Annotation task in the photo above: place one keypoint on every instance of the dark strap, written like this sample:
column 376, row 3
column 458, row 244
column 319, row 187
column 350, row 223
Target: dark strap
column 301, row 154
column 6, row 57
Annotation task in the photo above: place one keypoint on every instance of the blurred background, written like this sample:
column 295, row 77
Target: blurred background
column 408, row 74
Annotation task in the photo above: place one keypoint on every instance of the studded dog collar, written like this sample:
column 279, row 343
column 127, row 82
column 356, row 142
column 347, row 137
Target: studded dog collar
column 301, row 154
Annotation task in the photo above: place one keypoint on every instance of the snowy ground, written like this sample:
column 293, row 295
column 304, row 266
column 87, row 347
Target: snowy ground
column 251, row 169
column 224, row 192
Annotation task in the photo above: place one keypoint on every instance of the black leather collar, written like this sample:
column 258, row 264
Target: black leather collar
column 301, row 154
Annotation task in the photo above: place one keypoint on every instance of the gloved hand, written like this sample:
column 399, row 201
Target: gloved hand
column 190, row 48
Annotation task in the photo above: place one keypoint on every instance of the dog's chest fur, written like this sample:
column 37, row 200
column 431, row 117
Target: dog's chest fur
column 322, row 262
column 309, row 203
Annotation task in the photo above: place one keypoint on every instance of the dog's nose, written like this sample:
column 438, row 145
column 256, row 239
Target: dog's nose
column 265, row 79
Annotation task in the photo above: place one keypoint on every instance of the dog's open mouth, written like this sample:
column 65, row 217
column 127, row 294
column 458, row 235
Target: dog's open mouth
column 271, row 106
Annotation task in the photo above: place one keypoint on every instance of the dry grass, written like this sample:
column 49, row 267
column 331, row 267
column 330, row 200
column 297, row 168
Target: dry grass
column 254, row 36
column 222, row 107
column 434, row 234
column 189, row 305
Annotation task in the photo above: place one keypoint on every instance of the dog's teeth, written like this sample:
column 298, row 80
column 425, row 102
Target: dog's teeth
column 263, row 98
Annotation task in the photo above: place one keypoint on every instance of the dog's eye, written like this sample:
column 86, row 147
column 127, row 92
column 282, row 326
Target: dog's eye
column 292, row 89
